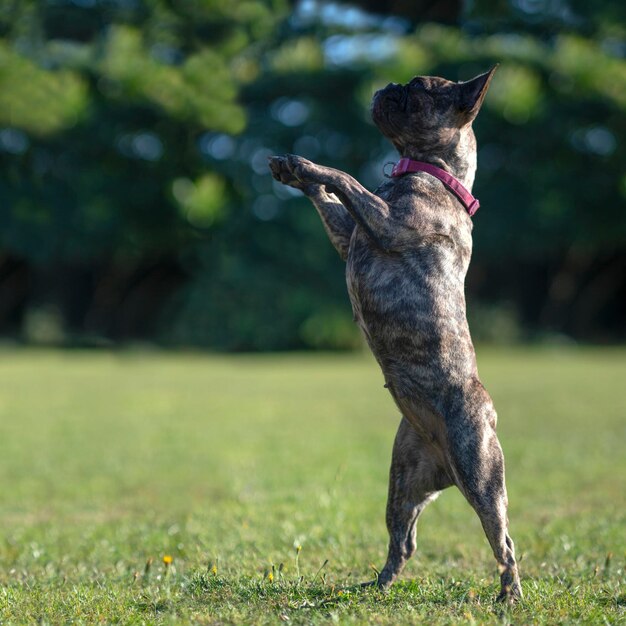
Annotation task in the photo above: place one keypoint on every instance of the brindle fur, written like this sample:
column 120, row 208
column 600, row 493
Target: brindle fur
column 407, row 249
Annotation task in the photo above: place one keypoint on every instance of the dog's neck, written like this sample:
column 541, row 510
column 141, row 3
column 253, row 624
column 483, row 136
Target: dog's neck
column 459, row 159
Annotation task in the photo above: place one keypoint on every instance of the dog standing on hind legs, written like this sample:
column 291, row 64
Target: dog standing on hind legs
column 407, row 249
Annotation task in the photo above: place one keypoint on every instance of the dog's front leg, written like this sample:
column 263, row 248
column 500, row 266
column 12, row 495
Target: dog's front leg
column 337, row 222
column 369, row 211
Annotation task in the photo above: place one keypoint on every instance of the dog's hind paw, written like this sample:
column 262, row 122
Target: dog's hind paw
column 510, row 594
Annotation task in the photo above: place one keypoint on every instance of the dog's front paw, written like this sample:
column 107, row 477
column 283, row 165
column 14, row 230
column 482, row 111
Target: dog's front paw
column 302, row 169
column 283, row 173
column 296, row 172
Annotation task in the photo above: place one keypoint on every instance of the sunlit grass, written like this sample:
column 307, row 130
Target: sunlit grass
column 157, row 488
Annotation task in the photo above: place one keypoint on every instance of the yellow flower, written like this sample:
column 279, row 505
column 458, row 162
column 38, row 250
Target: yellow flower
column 167, row 560
column 270, row 577
column 214, row 570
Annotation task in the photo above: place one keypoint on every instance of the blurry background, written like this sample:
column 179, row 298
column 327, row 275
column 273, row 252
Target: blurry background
column 136, row 203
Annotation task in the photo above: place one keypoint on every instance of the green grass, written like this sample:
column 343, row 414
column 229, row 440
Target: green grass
column 110, row 461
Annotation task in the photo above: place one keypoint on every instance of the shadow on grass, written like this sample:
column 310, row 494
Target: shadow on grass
column 290, row 597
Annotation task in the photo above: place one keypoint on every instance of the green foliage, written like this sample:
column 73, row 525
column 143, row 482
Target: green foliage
column 201, row 201
column 228, row 464
column 134, row 136
column 300, row 55
column 200, row 90
column 41, row 101
column 517, row 94
column 100, row 106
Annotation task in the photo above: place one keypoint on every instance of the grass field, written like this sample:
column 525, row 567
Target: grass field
column 112, row 461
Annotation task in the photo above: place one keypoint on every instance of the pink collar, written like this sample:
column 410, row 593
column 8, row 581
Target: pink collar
column 405, row 166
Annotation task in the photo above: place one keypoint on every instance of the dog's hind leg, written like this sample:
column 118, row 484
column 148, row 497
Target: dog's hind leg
column 478, row 467
column 415, row 479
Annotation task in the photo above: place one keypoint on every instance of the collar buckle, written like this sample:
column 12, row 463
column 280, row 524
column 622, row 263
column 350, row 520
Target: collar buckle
column 391, row 174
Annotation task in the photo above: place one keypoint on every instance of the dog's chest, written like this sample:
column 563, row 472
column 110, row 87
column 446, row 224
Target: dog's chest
column 410, row 304
column 417, row 280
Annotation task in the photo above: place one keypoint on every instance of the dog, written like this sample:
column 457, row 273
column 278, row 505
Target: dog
column 407, row 248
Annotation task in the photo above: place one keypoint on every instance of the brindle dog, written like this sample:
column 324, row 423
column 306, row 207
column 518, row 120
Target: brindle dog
column 407, row 248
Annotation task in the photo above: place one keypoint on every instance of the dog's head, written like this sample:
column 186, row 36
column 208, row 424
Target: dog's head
column 428, row 112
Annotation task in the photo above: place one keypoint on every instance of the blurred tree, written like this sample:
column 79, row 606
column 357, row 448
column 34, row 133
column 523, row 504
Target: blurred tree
column 550, row 242
column 134, row 137
column 101, row 108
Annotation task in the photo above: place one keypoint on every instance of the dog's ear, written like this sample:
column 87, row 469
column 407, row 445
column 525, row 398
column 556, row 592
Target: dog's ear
column 471, row 94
